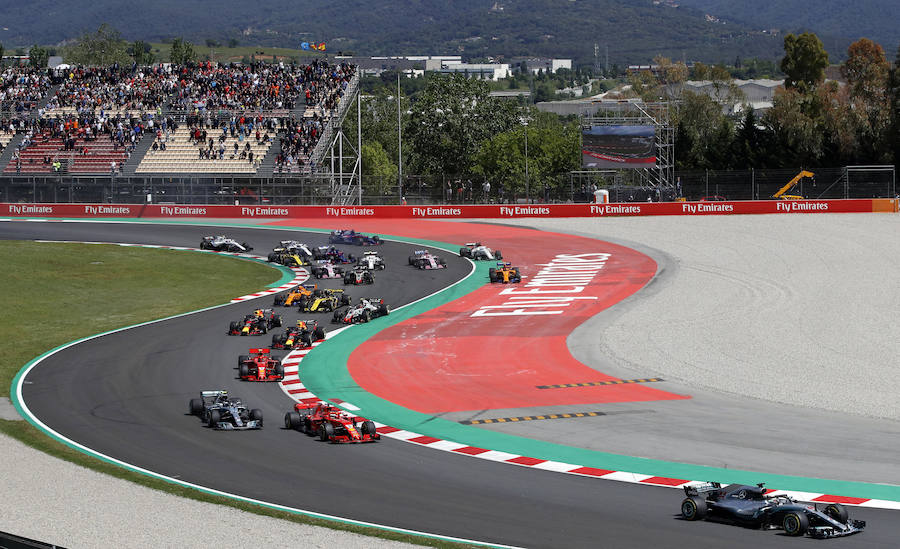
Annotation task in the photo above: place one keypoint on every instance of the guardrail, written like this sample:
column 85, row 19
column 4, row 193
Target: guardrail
column 497, row 211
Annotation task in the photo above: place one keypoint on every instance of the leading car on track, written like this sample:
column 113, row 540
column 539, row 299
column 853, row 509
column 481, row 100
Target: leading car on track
column 477, row 250
column 505, row 273
column 753, row 506
column 330, row 423
column 221, row 243
column 220, row 411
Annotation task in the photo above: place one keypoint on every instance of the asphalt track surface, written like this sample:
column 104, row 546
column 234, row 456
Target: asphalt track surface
column 126, row 394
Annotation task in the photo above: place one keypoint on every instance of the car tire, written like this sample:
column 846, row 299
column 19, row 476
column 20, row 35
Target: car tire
column 196, row 406
column 383, row 309
column 244, row 370
column 345, row 300
column 838, row 512
column 492, row 274
column 256, row 414
column 795, row 523
column 693, row 508
column 368, row 427
column 214, row 418
column 498, row 254
column 234, row 327
column 292, row 421
column 242, row 359
column 279, row 370
column 327, row 432
column 320, row 332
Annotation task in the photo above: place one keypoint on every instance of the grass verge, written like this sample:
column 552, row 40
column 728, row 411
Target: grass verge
column 61, row 292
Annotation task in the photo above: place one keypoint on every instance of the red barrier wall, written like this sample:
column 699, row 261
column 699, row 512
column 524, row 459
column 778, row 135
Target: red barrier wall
column 498, row 211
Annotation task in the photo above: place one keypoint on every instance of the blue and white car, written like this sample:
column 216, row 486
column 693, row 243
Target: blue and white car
column 225, row 413
column 477, row 250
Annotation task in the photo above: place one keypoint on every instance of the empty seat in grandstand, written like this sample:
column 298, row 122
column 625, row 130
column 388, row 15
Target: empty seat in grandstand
column 182, row 155
column 93, row 156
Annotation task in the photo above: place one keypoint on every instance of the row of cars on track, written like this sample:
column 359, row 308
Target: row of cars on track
column 749, row 506
column 222, row 411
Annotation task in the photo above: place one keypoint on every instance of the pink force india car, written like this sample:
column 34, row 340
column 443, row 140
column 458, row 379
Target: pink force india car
column 423, row 259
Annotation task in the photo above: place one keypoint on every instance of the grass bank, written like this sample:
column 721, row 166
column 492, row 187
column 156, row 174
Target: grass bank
column 54, row 293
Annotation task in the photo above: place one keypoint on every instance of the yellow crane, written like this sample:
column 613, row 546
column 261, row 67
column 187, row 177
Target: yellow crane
column 790, row 185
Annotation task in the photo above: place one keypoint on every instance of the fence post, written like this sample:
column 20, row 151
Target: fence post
column 707, row 182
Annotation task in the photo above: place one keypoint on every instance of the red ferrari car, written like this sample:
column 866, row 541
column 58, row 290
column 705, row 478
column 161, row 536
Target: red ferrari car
column 259, row 366
column 330, row 423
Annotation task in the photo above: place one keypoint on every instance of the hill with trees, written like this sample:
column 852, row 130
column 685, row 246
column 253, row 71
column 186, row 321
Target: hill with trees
column 634, row 30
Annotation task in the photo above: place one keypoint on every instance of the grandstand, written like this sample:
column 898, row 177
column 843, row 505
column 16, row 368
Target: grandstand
column 170, row 130
column 182, row 155
column 87, row 156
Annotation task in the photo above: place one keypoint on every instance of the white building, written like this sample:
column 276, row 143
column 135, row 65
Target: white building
column 759, row 93
column 483, row 71
column 545, row 65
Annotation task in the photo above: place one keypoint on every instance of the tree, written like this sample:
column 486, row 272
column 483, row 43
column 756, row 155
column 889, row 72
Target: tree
column 804, row 61
column 103, row 47
column 379, row 172
column 233, row 42
column 141, row 52
column 552, row 149
column 894, row 92
column 797, row 123
column 38, row 56
column 1, row 53
column 747, row 147
column 451, row 118
column 182, row 52
column 702, row 130
column 869, row 107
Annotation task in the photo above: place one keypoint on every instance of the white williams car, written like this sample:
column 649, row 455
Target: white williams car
column 371, row 261
column 222, row 243
column 476, row 250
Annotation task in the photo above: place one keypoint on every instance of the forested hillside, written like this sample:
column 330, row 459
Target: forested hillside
column 833, row 20
column 634, row 30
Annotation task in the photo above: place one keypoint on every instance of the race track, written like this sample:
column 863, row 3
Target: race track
column 126, row 395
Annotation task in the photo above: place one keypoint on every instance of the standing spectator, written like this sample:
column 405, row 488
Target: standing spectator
column 486, row 188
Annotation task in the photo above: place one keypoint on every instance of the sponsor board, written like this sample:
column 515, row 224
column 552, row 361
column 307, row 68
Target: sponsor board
column 496, row 211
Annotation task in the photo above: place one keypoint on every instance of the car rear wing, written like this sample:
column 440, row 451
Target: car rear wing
column 372, row 252
column 259, row 351
column 334, row 290
column 213, row 393
column 702, row 488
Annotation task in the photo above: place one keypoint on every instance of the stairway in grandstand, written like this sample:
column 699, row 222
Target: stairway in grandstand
column 182, row 155
column 9, row 141
column 140, row 150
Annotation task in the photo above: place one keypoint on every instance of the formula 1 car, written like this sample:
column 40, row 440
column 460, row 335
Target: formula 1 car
column 505, row 273
column 259, row 366
column 753, row 506
column 287, row 258
column 258, row 322
column 367, row 309
column 423, row 259
column 293, row 296
column 330, row 423
column 332, row 254
column 476, row 250
column 326, row 269
column 299, row 336
column 359, row 275
column 291, row 253
column 222, row 243
column 371, row 260
column 349, row 236
column 219, row 411
column 324, row 300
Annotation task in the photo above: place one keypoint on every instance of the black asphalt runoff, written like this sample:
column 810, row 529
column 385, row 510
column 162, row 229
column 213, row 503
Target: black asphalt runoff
column 125, row 395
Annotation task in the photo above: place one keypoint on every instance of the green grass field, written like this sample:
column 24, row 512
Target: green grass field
column 54, row 293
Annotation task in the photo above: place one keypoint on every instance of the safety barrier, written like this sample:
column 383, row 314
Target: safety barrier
column 495, row 211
